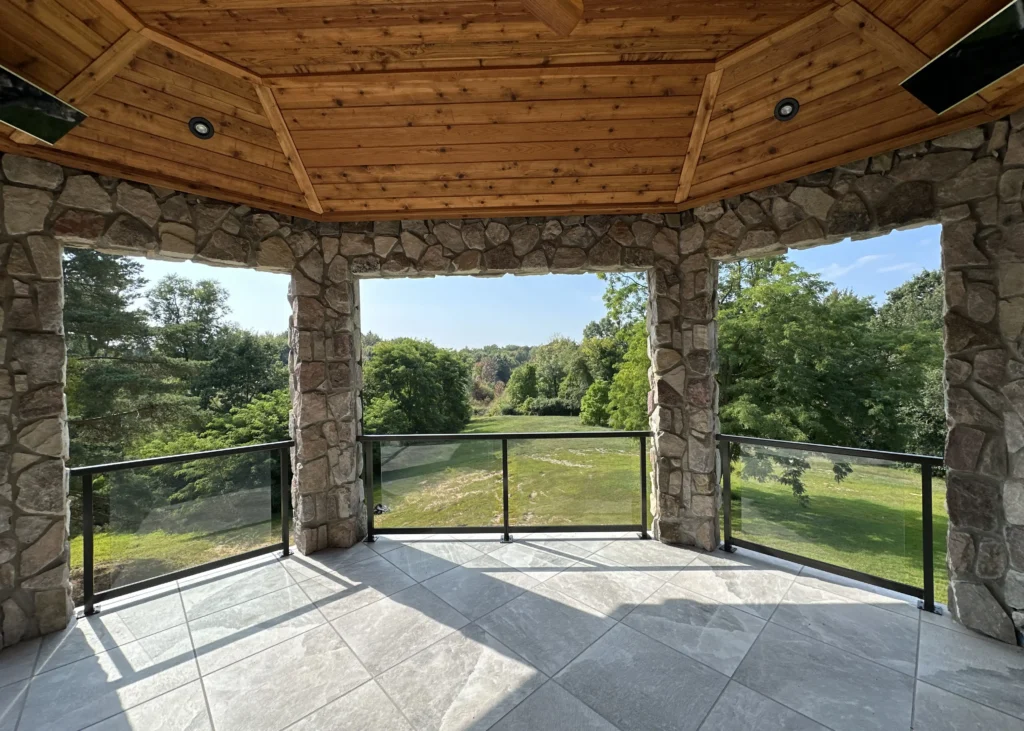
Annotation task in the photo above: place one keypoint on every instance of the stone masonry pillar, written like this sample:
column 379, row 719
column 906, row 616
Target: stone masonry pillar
column 983, row 267
column 324, row 333
column 683, row 397
column 35, row 591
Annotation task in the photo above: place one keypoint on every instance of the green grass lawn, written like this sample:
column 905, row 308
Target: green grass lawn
column 551, row 482
column 870, row 521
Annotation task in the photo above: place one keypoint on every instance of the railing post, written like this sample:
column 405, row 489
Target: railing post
column 286, row 499
column 88, row 589
column 643, row 488
column 927, row 538
column 506, row 537
column 723, row 454
column 368, row 489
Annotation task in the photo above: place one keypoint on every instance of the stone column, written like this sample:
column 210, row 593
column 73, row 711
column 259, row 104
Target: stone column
column 35, row 591
column 326, row 491
column 683, row 397
column 983, row 267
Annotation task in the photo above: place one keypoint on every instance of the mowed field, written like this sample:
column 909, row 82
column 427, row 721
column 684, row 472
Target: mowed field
column 588, row 481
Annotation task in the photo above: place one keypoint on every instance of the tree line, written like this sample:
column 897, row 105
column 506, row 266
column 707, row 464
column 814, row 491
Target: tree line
column 799, row 359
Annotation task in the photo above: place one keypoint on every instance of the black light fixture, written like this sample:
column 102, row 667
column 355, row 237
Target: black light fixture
column 201, row 127
column 786, row 109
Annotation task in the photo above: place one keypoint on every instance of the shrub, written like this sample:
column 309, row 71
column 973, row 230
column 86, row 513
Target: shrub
column 549, row 407
column 594, row 407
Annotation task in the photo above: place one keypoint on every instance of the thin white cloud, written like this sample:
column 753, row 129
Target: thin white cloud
column 835, row 270
column 907, row 266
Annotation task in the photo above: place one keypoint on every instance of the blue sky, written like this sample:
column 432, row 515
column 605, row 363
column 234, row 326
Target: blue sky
column 456, row 312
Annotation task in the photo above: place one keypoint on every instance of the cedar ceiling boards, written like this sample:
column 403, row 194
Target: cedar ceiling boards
column 378, row 109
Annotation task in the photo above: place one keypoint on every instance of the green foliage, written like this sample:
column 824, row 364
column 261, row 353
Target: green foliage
column 187, row 315
column 594, row 407
column 625, row 298
column 384, row 415
column 241, row 366
column 548, row 407
column 553, row 361
column 627, row 395
column 521, row 385
column 429, row 385
column 575, row 384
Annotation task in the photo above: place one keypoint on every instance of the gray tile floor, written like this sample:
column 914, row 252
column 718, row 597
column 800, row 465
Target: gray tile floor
column 588, row 632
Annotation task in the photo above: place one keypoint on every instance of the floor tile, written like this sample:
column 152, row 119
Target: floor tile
column 423, row 560
column 938, row 710
column 353, row 587
column 656, row 558
column 573, row 545
column 366, row 708
column 17, row 662
column 983, row 670
column 547, row 628
column 468, row 680
column 182, row 709
column 876, row 634
column 87, row 691
column 231, row 634
column 538, row 562
column 835, row 688
column 483, row 542
column 329, row 563
column 858, row 592
column 276, row 687
column 202, row 594
column 744, row 583
column 387, row 632
column 637, row 683
column 146, row 613
column 715, row 634
column 480, row 586
column 606, row 586
column 12, row 698
column 83, row 637
column 742, row 709
column 553, row 709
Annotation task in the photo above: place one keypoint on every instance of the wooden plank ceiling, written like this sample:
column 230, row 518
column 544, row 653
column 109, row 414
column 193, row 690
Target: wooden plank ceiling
column 380, row 109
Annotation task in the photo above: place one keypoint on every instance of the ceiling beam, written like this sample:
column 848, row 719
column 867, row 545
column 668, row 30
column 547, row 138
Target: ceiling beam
column 561, row 16
column 94, row 76
column 700, row 130
column 291, row 153
column 857, row 18
column 759, row 45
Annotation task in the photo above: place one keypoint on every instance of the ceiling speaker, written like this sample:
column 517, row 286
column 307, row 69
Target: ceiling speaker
column 988, row 53
column 26, row 107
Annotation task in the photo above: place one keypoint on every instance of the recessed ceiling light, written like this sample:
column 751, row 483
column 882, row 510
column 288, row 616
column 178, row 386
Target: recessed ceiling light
column 786, row 109
column 201, row 127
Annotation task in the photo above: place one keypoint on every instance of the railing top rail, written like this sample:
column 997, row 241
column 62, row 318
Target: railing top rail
column 175, row 458
column 920, row 459
column 497, row 436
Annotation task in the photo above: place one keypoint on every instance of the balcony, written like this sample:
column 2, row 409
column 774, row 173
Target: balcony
column 552, row 631
column 522, row 624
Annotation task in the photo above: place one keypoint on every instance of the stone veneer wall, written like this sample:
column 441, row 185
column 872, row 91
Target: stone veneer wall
column 970, row 181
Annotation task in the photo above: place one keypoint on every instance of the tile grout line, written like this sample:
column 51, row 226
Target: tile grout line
column 195, row 659
column 28, row 685
column 774, row 700
column 917, row 667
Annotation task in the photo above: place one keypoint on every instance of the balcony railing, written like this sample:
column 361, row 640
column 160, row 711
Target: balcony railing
column 203, row 506
column 855, row 510
column 485, row 464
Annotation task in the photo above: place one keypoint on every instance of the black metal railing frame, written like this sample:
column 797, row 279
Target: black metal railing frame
column 926, row 593
column 368, row 440
column 91, row 597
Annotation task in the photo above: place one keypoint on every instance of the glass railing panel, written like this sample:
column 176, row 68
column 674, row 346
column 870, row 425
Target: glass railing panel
column 149, row 521
column 567, row 482
column 854, row 512
column 437, row 484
